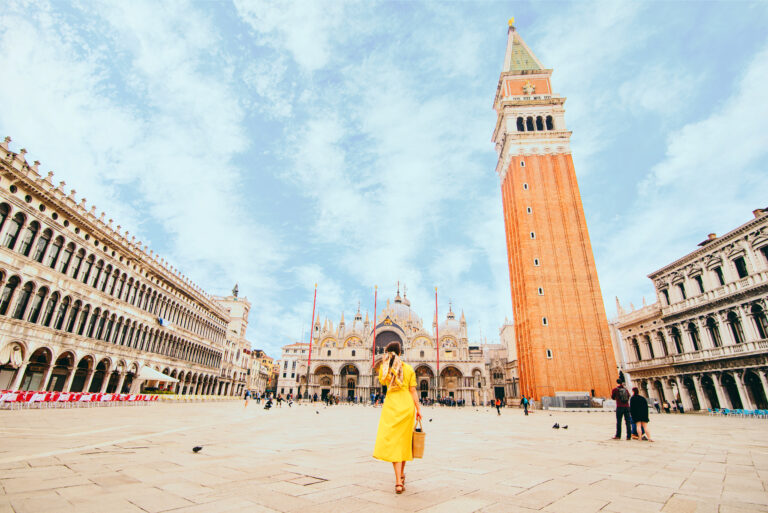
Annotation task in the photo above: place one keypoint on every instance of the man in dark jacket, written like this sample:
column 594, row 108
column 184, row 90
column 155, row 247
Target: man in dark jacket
column 621, row 395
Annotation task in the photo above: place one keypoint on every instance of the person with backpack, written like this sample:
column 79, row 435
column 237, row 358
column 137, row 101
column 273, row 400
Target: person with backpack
column 524, row 404
column 621, row 395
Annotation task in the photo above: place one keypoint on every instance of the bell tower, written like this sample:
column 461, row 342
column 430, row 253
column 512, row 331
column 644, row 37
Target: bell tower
column 560, row 324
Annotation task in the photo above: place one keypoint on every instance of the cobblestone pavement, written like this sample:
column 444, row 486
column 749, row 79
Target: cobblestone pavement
column 315, row 459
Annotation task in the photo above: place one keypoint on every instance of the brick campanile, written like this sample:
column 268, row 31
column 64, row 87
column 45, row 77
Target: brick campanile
column 561, row 328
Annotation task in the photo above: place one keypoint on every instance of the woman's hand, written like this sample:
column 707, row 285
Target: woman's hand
column 418, row 414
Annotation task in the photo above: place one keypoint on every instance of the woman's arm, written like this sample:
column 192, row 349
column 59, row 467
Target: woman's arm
column 416, row 402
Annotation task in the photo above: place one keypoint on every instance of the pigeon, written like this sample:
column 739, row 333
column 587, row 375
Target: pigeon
column 317, row 412
column 556, row 426
column 197, row 448
column 565, row 427
column 430, row 420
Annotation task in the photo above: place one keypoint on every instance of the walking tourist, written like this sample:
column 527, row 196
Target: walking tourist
column 621, row 395
column 247, row 396
column 395, row 434
column 524, row 403
column 498, row 405
column 638, row 408
column 657, row 405
column 666, row 407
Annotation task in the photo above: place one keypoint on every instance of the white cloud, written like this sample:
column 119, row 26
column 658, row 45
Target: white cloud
column 174, row 142
column 712, row 177
column 304, row 29
column 657, row 90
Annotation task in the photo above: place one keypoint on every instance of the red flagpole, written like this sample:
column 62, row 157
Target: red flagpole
column 437, row 337
column 311, row 336
column 373, row 352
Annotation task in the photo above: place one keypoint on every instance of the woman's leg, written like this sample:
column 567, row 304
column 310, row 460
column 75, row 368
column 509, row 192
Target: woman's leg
column 402, row 471
column 647, row 433
column 398, row 472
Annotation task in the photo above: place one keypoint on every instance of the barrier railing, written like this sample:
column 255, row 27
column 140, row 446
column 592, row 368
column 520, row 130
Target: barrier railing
column 10, row 399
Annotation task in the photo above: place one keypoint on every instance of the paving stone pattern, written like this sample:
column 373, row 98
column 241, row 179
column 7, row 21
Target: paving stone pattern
column 315, row 459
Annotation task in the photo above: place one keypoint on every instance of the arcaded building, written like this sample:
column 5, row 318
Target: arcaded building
column 704, row 341
column 84, row 306
column 563, row 341
column 343, row 363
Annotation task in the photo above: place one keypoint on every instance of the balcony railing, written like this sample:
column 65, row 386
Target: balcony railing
column 710, row 295
column 712, row 353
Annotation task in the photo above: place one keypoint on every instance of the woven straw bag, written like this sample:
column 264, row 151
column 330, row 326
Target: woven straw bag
column 419, row 438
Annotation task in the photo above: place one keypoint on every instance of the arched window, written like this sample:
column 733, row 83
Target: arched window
column 113, row 282
column 92, row 324
column 677, row 340
column 520, row 124
column 735, row 323
column 539, row 124
column 107, row 278
column 87, row 268
column 23, row 301
column 42, row 245
column 28, row 238
column 353, row 353
column 761, row 324
column 4, row 211
column 529, row 124
column 681, row 289
column 84, row 320
column 37, row 305
column 120, row 287
column 13, row 230
column 97, row 274
column 714, row 331
column 77, row 262
column 550, row 124
column 50, row 308
column 693, row 332
column 663, row 344
column 7, row 294
column 62, row 313
column 649, row 345
column 66, row 258
column 113, row 338
column 53, row 254
column 636, row 350
column 100, row 328
column 73, row 316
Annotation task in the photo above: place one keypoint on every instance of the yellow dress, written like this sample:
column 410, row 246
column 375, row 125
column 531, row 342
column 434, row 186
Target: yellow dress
column 395, row 435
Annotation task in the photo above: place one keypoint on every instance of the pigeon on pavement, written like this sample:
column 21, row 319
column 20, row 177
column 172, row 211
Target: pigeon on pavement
column 556, row 426
column 197, row 448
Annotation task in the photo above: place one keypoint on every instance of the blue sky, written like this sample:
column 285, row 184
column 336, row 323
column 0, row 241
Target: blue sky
column 279, row 144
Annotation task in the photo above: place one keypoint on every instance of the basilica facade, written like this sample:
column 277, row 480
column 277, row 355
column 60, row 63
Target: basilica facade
column 344, row 362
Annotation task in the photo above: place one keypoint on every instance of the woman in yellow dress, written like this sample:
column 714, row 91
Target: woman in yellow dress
column 395, row 435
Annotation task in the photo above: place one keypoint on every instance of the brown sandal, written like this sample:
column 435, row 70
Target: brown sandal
column 399, row 489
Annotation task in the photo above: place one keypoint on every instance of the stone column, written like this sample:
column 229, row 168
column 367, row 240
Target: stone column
column 748, row 324
column 20, row 375
column 668, row 392
column 120, row 382
column 703, row 398
column 105, row 383
column 722, row 396
column 763, row 380
column 684, row 395
column 47, row 377
column 88, row 380
column 746, row 401
column 70, row 378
